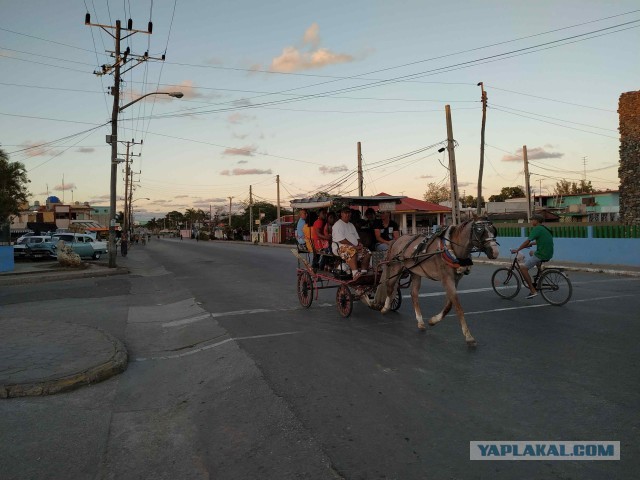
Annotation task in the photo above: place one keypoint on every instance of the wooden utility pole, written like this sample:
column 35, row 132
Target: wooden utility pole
column 250, row 212
column 526, row 182
column 278, row 209
column 230, row 198
column 484, row 120
column 360, row 180
column 453, row 177
column 120, row 59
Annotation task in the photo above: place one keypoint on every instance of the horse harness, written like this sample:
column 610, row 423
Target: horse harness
column 463, row 265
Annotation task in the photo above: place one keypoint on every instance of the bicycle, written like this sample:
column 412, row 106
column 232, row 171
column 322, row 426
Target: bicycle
column 552, row 283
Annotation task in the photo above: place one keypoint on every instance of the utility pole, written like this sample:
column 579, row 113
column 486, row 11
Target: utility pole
column 250, row 213
column 453, row 177
column 360, row 180
column 230, row 198
column 278, row 209
column 484, row 120
column 526, row 181
column 119, row 61
column 127, row 185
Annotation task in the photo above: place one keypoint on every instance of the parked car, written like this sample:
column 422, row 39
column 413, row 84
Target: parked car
column 28, row 234
column 84, row 245
column 23, row 246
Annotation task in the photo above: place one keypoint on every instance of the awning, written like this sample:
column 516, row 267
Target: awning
column 20, row 231
column 356, row 201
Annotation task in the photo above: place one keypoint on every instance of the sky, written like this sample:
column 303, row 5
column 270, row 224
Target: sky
column 289, row 88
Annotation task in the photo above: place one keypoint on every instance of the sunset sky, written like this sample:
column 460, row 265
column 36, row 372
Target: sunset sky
column 288, row 88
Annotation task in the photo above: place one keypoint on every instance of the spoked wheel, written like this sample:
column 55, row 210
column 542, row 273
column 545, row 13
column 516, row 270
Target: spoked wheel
column 505, row 283
column 555, row 287
column 396, row 301
column 305, row 289
column 344, row 301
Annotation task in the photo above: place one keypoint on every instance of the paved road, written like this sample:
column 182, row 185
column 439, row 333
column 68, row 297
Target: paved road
column 231, row 378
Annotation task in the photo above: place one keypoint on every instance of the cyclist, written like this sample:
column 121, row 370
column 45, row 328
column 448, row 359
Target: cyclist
column 541, row 237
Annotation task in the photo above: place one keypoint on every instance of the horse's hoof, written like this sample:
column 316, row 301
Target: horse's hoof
column 422, row 328
column 384, row 310
column 472, row 343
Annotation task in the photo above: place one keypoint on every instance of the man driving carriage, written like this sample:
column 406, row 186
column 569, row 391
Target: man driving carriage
column 347, row 245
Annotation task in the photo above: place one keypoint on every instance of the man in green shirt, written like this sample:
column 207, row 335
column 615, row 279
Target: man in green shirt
column 540, row 236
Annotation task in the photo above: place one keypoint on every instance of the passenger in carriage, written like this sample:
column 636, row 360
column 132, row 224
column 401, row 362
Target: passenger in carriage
column 328, row 227
column 366, row 229
column 302, row 221
column 319, row 239
column 347, row 245
column 386, row 231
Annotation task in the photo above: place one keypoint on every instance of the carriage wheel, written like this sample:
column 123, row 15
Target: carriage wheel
column 396, row 301
column 305, row 289
column 505, row 283
column 344, row 301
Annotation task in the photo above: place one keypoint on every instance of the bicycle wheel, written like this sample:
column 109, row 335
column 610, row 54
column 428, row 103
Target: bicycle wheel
column 305, row 289
column 505, row 283
column 555, row 287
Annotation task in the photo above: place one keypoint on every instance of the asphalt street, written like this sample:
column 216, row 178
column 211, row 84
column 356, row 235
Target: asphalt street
column 229, row 377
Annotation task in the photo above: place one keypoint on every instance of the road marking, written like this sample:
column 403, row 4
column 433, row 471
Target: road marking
column 544, row 305
column 206, row 316
column 213, row 345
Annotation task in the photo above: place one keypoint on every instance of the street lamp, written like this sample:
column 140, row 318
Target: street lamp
column 171, row 94
column 113, row 139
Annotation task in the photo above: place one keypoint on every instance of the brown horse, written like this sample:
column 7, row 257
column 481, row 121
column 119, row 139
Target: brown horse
column 444, row 257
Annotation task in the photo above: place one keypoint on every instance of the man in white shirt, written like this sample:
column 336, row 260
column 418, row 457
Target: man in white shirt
column 347, row 245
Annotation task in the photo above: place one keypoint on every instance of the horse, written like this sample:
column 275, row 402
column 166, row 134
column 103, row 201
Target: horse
column 444, row 257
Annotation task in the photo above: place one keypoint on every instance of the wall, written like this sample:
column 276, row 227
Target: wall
column 629, row 170
column 614, row 251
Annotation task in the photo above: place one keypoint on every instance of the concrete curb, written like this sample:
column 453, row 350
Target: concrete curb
column 93, row 374
column 41, row 275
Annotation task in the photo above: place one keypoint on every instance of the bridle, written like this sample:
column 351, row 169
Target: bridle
column 483, row 234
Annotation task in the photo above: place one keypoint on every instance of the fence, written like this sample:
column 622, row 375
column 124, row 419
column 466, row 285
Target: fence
column 596, row 244
column 577, row 231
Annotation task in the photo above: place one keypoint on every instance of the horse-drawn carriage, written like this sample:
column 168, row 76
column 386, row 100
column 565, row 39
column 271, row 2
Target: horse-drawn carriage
column 337, row 275
column 444, row 256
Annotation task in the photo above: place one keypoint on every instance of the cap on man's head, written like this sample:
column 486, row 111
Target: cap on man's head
column 369, row 211
column 345, row 209
column 538, row 217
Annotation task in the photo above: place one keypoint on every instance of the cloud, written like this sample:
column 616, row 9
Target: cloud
column 244, row 151
column 536, row 153
column 425, row 176
column 329, row 170
column 86, row 150
column 181, row 196
column 240, row 162
column 240, row 136
column 312, row 35
column 66, row 186
column 247, row 171
column 237, row 118
column 37, row 149
column 293, row 59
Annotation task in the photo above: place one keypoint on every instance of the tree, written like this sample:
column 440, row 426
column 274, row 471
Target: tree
column 13, row 187
column 564, row 187
column 270, row 212
column 507, row 193
column 470, row 201
column 437, row 193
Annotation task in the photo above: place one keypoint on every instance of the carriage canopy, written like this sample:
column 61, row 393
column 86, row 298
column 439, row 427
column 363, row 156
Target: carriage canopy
column 365, row 201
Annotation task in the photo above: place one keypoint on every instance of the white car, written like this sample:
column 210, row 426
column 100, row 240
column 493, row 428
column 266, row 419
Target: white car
column 20, row 249
column 84, row 245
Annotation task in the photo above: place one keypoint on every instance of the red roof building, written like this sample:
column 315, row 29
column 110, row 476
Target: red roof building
column 416, row 216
